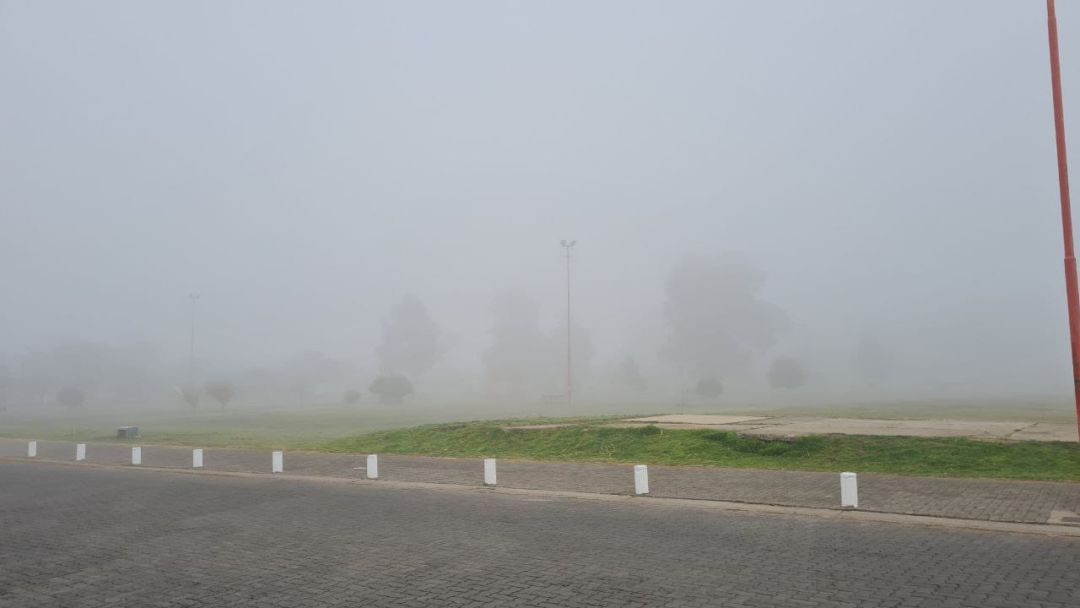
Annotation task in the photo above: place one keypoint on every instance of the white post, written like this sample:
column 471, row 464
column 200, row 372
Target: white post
column 373, row 466
column 849, row 491
column 489, row 471
column 31, row 449
column 80, row 452
column 277, row 464
column 136, row 455
column 641, row 479
column 196, row 458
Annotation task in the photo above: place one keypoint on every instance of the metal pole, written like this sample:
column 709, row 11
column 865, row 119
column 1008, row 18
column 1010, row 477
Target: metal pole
column 569, row 355
column 1066, row 211
column 191, row 351
column 567, row 245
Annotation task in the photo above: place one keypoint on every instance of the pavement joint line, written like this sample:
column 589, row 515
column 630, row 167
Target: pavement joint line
column 855, row 516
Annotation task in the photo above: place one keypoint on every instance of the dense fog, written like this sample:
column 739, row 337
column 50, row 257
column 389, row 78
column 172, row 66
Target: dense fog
column 214, row 203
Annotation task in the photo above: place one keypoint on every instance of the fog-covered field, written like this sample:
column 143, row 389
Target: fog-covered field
column 284, row 425
column 250, row 220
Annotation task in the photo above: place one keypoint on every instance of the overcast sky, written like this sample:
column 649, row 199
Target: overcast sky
column 890, row 166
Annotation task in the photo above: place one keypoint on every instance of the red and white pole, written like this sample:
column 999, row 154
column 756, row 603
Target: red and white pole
column 1066, row 210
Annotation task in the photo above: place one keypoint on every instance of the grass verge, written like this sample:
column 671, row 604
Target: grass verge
column 939, row 457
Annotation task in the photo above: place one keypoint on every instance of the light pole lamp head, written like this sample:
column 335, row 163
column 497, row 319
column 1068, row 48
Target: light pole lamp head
column 568, row 244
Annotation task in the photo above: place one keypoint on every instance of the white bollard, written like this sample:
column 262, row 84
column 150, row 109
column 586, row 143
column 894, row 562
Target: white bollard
column 136, row 455
column 31, row 449
column 372, row 466
column 80, row 452
column 277, row 464
column 849, row 491
column 489, row 471
column 196, row 458
column 641, row 479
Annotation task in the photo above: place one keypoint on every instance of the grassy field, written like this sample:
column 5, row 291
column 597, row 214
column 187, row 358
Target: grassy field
column 292, row 428
column 651, row 445
column 256, row 425
column 410, row 430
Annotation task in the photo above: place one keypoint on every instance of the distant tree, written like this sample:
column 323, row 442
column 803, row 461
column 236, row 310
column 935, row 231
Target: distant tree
column 351, row 396
column 411, row 341
column 516, row 356
column 190, row 396
column 630, row 375
column 221, row 390
column 391, row 389
column 717, row 320
column 709, row 388
column 71, row 397
column 786, row 372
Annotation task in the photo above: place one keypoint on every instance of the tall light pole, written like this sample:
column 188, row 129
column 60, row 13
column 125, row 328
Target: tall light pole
column 191, row 351
column 567, row 246
column 1066, row 211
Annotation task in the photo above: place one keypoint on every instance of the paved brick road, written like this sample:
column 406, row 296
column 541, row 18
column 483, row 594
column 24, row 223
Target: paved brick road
column 994, row 500
column 72, row 536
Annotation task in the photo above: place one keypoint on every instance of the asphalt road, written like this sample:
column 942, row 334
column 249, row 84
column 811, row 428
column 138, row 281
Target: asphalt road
column 83, row 536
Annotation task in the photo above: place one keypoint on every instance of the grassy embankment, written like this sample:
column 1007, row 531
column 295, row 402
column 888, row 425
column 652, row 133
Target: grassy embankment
column 945, row 457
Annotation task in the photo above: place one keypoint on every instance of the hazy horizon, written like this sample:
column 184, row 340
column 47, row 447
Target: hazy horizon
column 885, row 171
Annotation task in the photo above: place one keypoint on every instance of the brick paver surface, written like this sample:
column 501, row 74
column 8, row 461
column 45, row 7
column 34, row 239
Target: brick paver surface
column 995, row 500
column 89, row 537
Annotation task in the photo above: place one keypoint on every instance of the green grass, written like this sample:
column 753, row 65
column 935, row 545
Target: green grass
column 945, row 457
column 296, row 429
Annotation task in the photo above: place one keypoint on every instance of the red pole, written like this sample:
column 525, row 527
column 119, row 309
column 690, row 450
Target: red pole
column 1066, row 210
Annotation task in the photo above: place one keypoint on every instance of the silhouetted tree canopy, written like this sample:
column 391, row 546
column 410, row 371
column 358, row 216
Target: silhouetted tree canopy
column 190, row 396
column 514, row 360
column 391, row 389
column 221, row 390
column 411, row 341
column 717, row 321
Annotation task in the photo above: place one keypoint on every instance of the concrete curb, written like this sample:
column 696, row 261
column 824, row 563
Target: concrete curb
column 925, row 521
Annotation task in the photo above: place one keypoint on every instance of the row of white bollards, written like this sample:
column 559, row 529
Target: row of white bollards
column 849, row 485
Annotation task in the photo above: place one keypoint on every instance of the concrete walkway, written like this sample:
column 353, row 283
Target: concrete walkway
column 981, row 499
